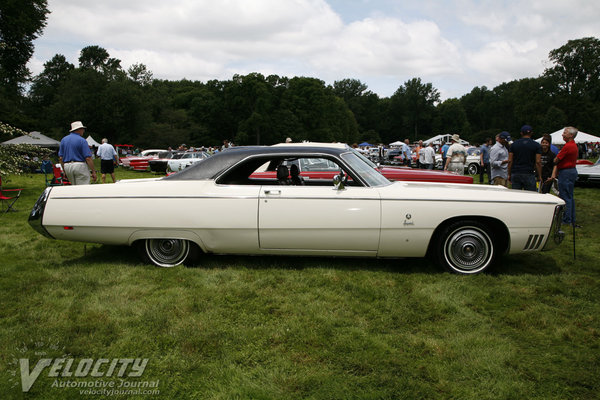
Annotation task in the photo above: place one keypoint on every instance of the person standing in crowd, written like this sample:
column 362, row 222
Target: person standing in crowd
column 108, row 160
column 484, row 160
column 380, row 153
column 524, row 161
column 499, row 159
column 418, row 153
column 406, row 153
column 565, row 171
column 75, row 156
column 547, row 160
column 428, row 157
column 444, row 151
column 456, row 156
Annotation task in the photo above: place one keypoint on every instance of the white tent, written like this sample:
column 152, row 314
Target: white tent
column 581, row 137
column 35, row 138
column 398, row 143
column 441, row 139
column 91, row 141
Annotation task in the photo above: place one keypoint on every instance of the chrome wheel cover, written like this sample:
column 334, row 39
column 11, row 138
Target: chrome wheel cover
column 468, row 250
column 167, row 252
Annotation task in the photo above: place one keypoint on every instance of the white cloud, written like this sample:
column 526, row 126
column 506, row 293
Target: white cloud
column 456, row 44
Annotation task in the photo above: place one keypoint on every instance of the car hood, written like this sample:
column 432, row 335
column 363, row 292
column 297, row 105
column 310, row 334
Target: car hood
column 467, row 193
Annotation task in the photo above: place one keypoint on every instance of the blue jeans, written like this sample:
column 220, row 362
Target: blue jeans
column 566, row 185
column 523, row 181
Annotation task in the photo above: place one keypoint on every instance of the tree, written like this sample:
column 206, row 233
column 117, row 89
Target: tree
column 45, row 85
column 363, row 103
column 97, row 58
column 577, row 67
column 418, row 101
column 140, row 74
column 21, row 22
column 452, row 118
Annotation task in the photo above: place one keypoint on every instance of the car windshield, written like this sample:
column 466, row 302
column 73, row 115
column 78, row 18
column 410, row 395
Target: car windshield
column 363, row 158
column 365, row 169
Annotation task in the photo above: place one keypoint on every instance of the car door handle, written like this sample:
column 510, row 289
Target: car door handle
column 276, row 192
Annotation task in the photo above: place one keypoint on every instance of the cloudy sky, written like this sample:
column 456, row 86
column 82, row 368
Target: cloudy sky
column 454, row 44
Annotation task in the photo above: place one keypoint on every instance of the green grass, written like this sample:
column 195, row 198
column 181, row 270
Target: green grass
column 295, row 328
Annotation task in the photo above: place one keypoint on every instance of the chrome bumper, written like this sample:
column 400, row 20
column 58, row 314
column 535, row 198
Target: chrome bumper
column 37, row 213
column 556, row 235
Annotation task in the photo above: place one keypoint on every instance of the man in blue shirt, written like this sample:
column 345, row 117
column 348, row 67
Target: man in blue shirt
column 444, row 151
column 485, row 160
column 525, row 161
column 75, row 156
column 407, row 153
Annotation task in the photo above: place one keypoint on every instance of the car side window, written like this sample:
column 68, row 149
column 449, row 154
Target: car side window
column 308, row 171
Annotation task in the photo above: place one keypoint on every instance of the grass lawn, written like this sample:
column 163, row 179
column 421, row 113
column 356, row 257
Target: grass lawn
column 296, row 328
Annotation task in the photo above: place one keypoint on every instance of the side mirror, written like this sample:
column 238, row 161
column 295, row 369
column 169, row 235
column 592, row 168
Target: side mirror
column 339, row 181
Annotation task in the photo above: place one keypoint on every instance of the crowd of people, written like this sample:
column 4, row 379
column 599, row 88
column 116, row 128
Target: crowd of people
column 528, row 165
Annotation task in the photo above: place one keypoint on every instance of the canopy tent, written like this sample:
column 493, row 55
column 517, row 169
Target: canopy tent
column 398, row 143
column 442, row 139
column 35, row 138
column 91, row 141
column 581, row 137
column 365, row 144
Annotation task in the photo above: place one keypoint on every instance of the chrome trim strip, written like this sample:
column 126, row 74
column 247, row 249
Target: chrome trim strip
column 528, row 242
column 150, row 197
column 301, row 198
column 537, row 245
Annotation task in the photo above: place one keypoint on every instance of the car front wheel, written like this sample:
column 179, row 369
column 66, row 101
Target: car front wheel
column 473, row 169
column 465, row 247
column 166, row 252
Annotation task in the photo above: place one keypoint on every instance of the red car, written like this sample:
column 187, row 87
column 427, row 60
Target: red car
column 320, row 168
column 140, row 163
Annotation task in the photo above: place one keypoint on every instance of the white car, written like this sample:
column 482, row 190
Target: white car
column 222, row 206
column 588, row 173
column 186, row 160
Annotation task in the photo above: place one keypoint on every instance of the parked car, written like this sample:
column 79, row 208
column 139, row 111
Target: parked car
column 588, row 173
column 140, row 162
column 217, row 206
column 186, row 160
column 159, row 164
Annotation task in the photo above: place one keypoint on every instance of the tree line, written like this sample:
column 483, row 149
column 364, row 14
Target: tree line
column 131, row 106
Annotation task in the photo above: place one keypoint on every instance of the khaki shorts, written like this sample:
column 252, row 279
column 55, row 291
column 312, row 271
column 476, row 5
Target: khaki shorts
column 500, row 181
column 459, row 168
column 77, row 173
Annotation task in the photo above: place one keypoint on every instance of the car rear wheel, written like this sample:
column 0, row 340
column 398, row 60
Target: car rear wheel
column 465, row 247
column 166, row 253
column 473, row 169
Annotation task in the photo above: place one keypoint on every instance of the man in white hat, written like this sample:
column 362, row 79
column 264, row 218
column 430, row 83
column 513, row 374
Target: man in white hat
column 75, row 156
column 456, row 156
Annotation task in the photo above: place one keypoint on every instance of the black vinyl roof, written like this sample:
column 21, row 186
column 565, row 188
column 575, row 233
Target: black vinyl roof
column 214, row 165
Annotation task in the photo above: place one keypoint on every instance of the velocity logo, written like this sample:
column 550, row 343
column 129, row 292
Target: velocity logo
column 86, row 367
